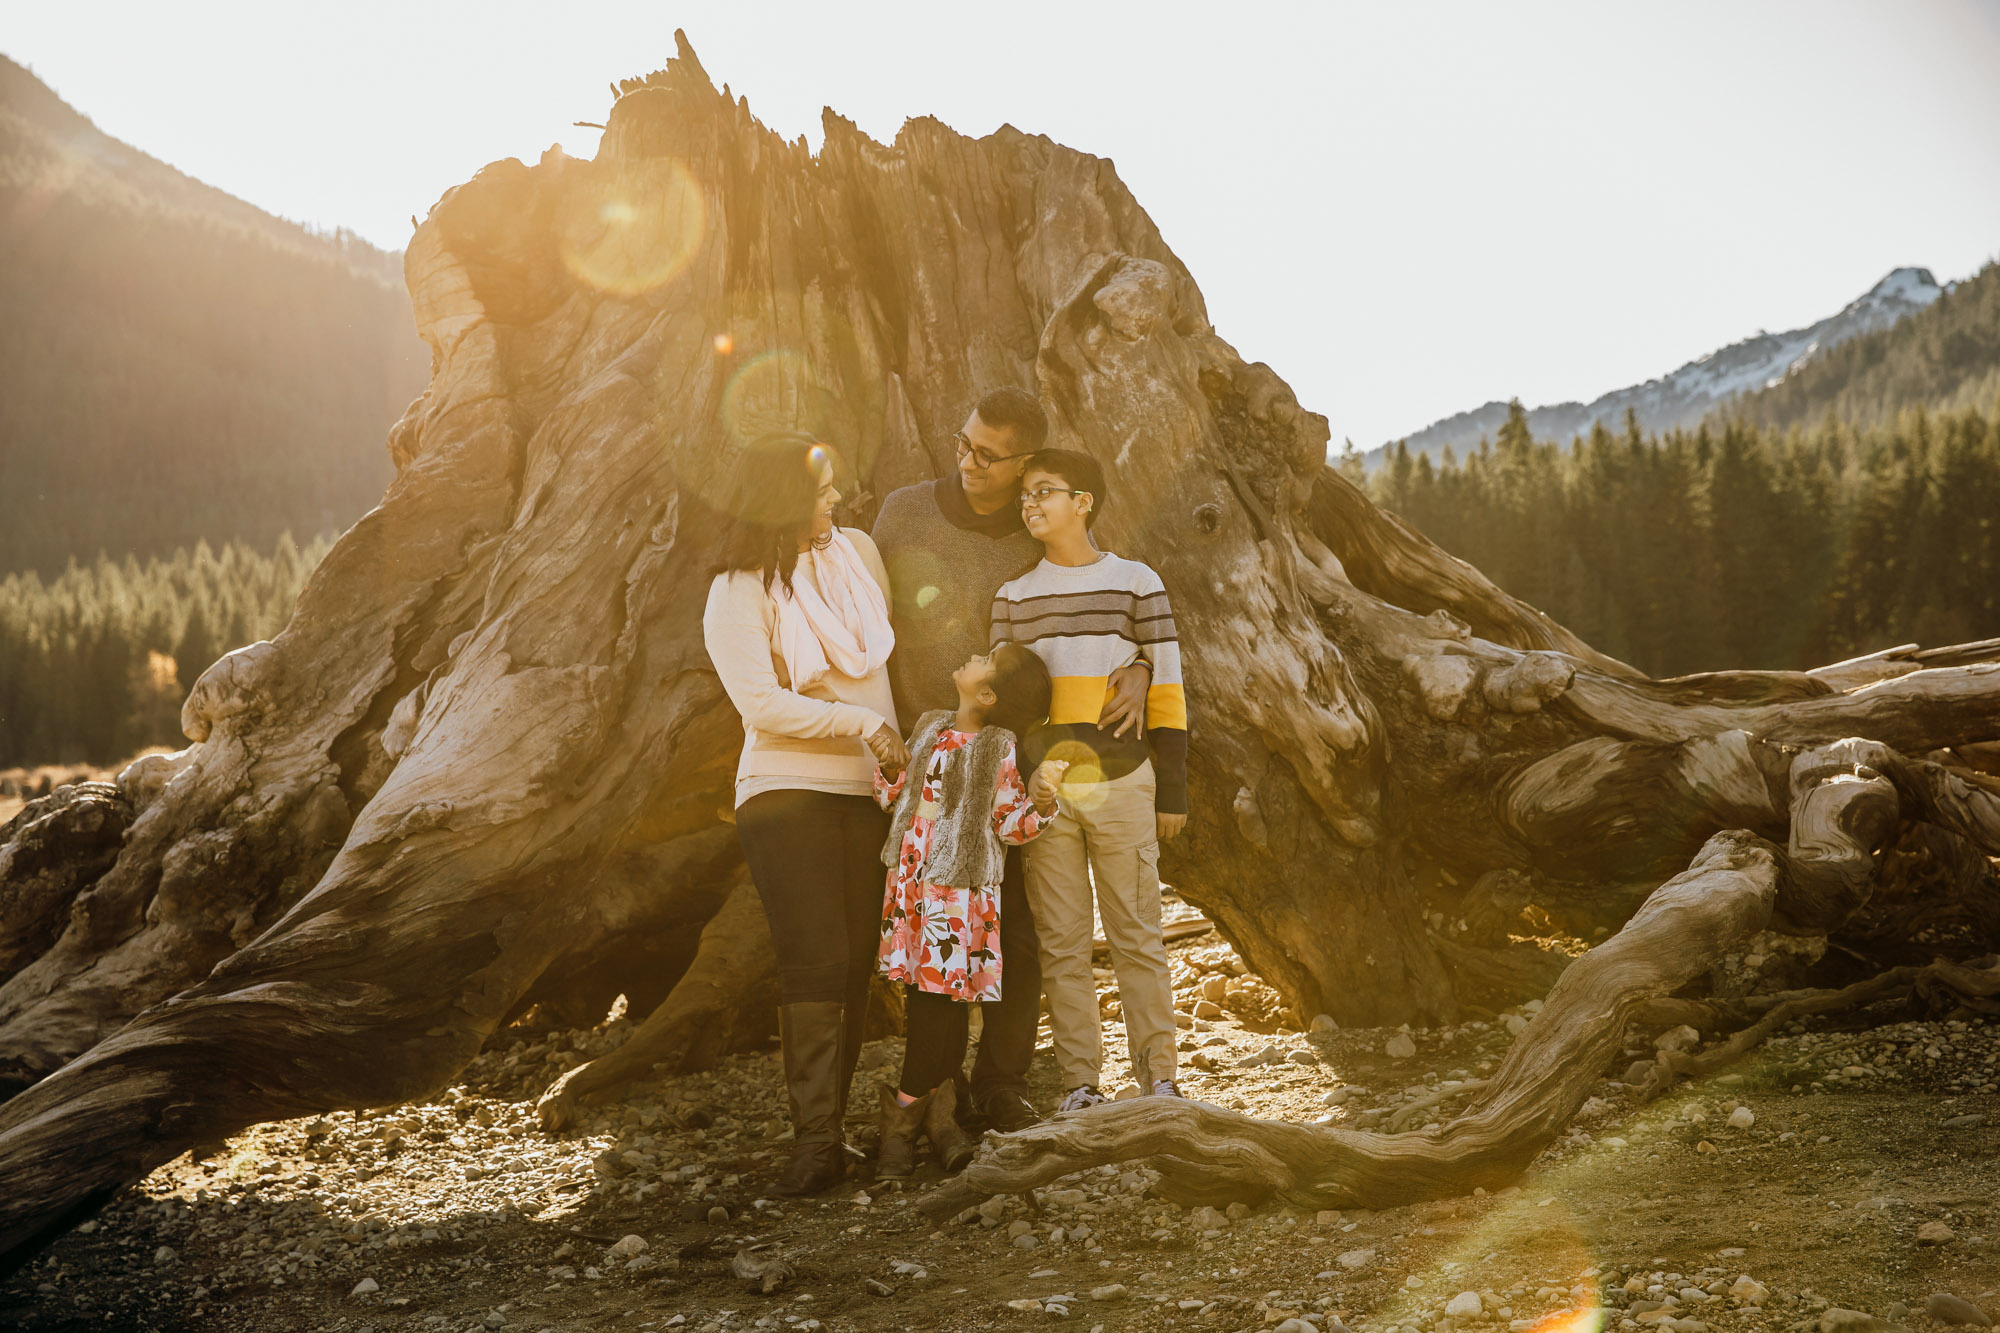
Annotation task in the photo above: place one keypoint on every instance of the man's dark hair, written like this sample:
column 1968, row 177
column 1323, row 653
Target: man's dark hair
column 1079, row 472
column 770, row 505
column 1017, row 410
column 1021, row 682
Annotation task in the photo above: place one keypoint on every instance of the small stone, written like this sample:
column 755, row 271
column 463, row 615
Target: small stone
column 1638, row 1072
column 1027, row 1242
column 875, row 1287
column 1965, row 1121
column 1214, row 988
column 1323, row 1023
column 1749, row 1290
column 1206, row 1009
column 1742, row 1118
column 1327, row 1217
column 1949, row 1309
column 1238, row 1211
column 1337, row 1097
column 1027, row 1304
column 1837, row 1320
column 1302, row 1057
column 1465, row 1305
column 1126, row 1093
column 631, row 1247
column 1399, row 1047
column 1935, row 1233
column 1514, row 1023
column 1682, row 1038
column 1897, row 1311
column 166, row 1254
column 367, row 1286
column 1019, row 1227
column 1113, row 1291
column 718, row 1215
column 1355, row 1258
column 1206, row 1219
column 1296, row 1325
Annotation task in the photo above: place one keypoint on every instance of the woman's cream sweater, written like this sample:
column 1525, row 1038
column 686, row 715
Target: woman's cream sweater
column 811, row 740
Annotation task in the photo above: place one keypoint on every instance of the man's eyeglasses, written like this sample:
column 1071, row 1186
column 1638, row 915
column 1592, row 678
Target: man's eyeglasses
column 1042, row 493
column 980, row 458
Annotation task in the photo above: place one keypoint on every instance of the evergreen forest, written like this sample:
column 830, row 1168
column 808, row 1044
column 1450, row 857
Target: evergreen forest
column 94, row 663
column 1733, row 545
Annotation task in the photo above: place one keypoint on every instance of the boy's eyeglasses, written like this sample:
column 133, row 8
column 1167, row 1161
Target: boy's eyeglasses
column 1041, row 493
column 980, row 458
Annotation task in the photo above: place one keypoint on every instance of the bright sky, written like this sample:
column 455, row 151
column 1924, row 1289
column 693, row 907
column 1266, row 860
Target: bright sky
column 1406, row 209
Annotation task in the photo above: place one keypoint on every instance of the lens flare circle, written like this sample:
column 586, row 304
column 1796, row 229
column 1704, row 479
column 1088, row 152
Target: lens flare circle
column 634, row 233
column 771, row 391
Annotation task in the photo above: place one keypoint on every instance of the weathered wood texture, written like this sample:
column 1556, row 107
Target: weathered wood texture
column 488, row 751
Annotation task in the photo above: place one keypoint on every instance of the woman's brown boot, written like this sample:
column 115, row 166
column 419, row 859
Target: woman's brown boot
column 897, row 1156
column 816, row 1086
column 954, row 1146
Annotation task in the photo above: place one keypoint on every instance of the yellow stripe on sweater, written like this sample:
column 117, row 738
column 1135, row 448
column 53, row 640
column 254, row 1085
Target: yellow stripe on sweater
column 1082, row 699
column 1077, row 698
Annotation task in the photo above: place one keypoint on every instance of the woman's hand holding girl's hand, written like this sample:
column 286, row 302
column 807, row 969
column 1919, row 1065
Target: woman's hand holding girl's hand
column 890, row 752
column 1042, row 786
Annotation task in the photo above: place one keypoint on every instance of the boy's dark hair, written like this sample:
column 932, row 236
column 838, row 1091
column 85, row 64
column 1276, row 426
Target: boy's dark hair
column 1017, row 410
column 1079, row 472
column 1021, row 682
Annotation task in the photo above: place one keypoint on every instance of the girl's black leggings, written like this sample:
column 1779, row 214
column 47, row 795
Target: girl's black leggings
column 816, row 860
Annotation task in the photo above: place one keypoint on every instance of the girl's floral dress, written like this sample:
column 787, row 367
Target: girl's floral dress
column 935, row 937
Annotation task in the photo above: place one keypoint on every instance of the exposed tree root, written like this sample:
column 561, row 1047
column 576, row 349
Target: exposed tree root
column 728, row 994
column 1941, row 983
column 1208, row 1155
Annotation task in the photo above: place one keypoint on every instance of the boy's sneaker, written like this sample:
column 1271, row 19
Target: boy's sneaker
column 1165, row 1087
column 1079, row 1097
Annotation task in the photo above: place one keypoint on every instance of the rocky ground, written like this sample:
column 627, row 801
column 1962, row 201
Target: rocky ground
column 1841, row 1180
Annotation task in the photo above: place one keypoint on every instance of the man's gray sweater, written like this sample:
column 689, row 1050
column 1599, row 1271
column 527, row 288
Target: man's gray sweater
column 945, row 562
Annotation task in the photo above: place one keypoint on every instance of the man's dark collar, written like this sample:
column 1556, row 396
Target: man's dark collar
column 958, row 511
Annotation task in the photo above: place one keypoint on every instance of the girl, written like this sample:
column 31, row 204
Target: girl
column 941, row 913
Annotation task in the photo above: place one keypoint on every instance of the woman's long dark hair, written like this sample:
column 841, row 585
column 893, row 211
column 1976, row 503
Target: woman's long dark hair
column 770, row 506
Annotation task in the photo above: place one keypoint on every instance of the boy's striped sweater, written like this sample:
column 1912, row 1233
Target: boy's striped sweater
column 1086, row 621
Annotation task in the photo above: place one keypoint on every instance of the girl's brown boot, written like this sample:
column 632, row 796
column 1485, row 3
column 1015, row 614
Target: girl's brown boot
column 896, row 1158
column 954, row 1146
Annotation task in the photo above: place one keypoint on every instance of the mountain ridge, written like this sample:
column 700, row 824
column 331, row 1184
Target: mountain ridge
column 176, row 364
column 1683, row 397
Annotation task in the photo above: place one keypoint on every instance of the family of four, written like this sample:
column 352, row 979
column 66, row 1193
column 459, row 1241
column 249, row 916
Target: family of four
column 1048, row 755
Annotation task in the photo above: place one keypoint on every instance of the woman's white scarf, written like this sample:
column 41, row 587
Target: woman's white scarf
column 836, row 620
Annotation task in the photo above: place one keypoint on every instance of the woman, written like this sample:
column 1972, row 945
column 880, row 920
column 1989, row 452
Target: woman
column 797, row 626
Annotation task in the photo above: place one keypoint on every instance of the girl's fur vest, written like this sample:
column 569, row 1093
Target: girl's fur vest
column 965, row 852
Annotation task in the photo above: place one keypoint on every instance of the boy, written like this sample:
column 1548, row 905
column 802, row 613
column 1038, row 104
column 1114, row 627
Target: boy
column 1087, row 613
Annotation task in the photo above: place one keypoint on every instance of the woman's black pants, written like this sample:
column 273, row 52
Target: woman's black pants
column 816, row 860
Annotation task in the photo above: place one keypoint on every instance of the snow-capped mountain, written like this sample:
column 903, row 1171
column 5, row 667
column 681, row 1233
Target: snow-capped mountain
column 1697, row 388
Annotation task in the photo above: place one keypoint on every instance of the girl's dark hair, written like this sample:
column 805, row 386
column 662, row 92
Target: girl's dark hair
column 1021, row 682
column 1078, row 471
column 768, row 509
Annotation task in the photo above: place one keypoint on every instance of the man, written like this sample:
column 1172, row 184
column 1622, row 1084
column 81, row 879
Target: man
column 949, row 544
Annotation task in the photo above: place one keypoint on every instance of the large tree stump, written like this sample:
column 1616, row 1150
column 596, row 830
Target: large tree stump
column 489, row 742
